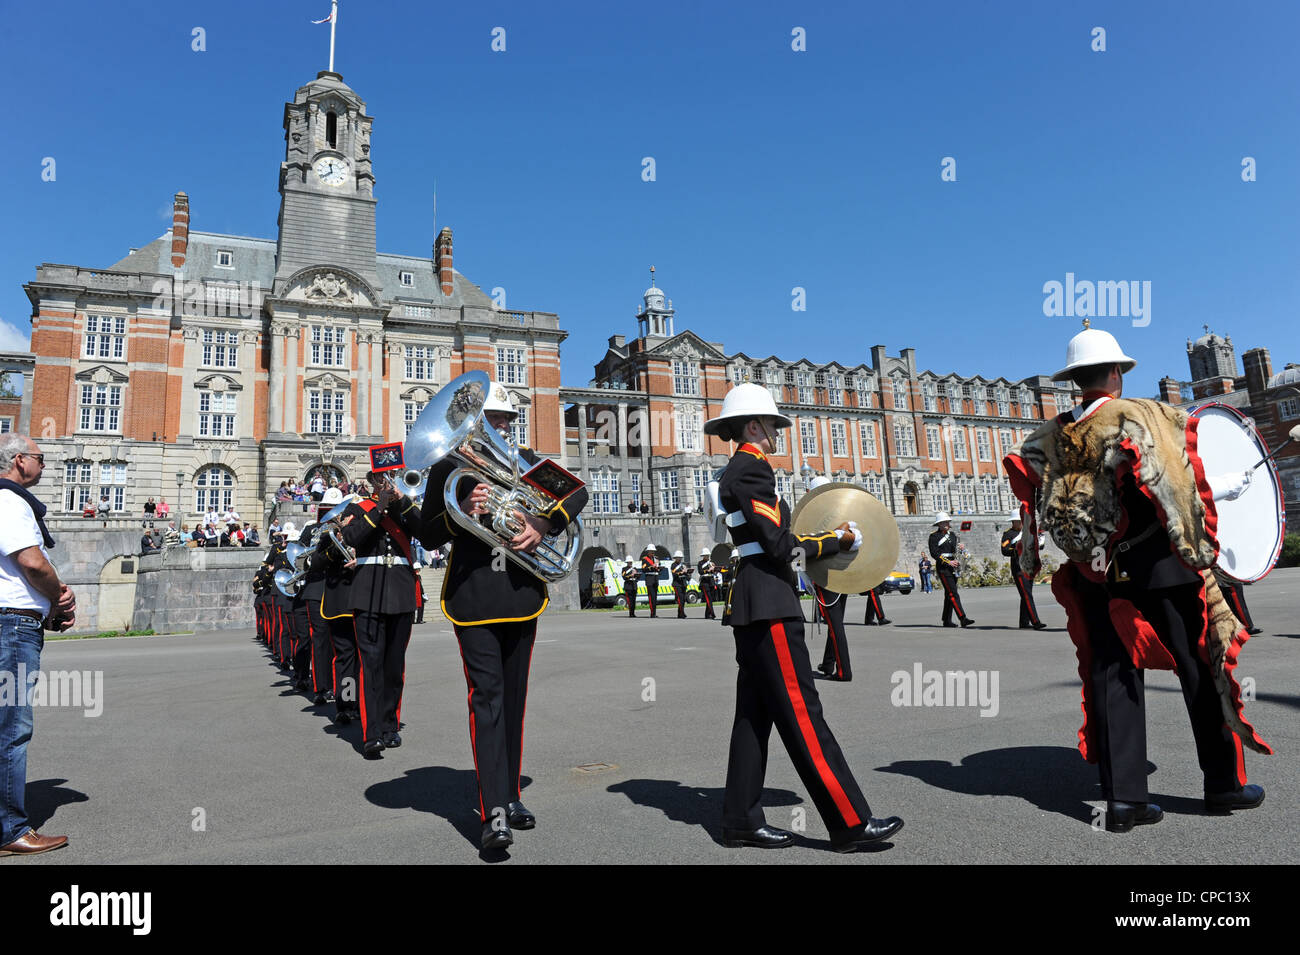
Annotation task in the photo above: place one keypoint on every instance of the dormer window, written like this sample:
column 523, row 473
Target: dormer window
column 331, row 129
column 225, row 259
column 406, row 278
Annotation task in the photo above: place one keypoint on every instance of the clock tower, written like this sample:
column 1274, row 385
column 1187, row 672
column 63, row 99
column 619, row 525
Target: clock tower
column 327, row 202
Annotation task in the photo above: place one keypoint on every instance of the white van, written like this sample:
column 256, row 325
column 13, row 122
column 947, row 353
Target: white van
column 607, row 586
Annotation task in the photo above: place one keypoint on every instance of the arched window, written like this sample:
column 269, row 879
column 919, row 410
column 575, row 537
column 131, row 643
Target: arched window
column 331, row 129
column 214, row 489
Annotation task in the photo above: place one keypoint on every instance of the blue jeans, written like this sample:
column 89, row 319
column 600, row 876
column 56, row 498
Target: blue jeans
column 21, row 642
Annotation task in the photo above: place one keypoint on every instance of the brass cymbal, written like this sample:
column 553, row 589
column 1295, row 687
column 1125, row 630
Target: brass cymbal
column 827, row 507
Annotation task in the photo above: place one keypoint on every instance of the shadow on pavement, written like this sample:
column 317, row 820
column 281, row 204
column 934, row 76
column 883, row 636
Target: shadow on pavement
column 45, row 796
column 440, row 790
column 693, row 805
column 1053, row 778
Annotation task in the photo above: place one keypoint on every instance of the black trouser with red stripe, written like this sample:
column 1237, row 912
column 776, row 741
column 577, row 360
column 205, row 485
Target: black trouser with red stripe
column 774, row 686
column 496, row 658
column 706, row 589
column 652, row 591
column 301, row 640
column 283, row 631
column 679, row 594
column 1117, row 716
column 322, row 649
column 1236, row 598
column 1025, row 586
column 951, row 599
column 874, row 613
column 381, row 640
column 631, row 601
column 347, row 687
column 835, row 659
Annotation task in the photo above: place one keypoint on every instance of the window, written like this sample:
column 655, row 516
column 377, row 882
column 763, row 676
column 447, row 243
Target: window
column 785, row 487
column 1004, row 402
column 325, row 411
column 900, row 393
column 1025, row 398
column 686, row 378
column 1005, row 441
column 636, row 489
column 939, row 495
column 808, row 437
column 689, row 428
column 943, row 389
column 214, row 489
column 6, row 425
column 934, row 442
column 101, row 407
column 519, row 427
column 511, row 367
column 701, row 478
column 789, row 376
column 835, row 390
column 418, row 311
column 839, row 440
column 112, row 482
column 331, row 129
column 904, row 439
column 1288, row 408
column 875, row 486
column 959, row 444
column 216, row 414
column 963, row 495
column 928, row 395
column 220, row 348
column 410, row 411
column 804, row 384
column 225, row 259
column 982, row 444
column 867, row 431
column 739, row 374
column 327, row 346
column 407, row 279
column 782, row 444
column 604, row 492
column 421, row 363
column 76, row 485
column 980, row 393
column 987, row 495
column 965, row 391
column 668, row 498
column 105, row 336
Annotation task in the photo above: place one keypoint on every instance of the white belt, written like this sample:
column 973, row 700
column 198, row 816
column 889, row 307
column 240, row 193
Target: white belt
column 735, row 519
column 389, row 561
column 752, row 549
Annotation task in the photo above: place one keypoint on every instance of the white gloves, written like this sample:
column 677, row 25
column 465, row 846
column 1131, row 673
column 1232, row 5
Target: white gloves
column 1230, row 486
column 857, row 537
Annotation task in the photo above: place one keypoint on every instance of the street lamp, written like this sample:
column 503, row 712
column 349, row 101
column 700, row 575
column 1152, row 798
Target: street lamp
column 180, row 489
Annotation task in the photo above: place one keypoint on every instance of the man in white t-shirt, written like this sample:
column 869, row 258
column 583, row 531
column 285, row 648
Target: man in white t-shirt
column 32, row 598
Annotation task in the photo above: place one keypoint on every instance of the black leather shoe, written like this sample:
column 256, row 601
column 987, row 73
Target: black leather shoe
column 1254, row 630
column 392, row 740
column 318, row 699
column 342, row 718
column 496, row 839
column 1123, row 816
column 875, row 830
column 951, row 624
column 764, row 837
column 519, row 817
column 1040, row 626
column 827, row 670
column 886, row 622
column 967, row 622
column 1247, row 797
column 373, row 750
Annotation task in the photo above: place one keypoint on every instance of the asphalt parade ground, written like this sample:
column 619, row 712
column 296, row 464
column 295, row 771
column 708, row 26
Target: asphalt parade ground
column 203, row 755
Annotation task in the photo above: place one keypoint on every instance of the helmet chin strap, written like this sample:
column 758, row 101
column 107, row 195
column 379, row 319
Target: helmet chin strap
column 771, row 439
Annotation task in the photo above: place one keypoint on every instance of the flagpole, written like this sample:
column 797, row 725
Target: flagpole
column 334, row 21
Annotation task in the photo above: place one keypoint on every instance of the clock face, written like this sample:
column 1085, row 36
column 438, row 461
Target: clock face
column 331, row 170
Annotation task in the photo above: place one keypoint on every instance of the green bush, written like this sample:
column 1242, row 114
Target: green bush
column 1290, row 551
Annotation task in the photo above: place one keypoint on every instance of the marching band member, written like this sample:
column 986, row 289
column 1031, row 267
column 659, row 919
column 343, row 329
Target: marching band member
column 1011, row 547
column 1136, row 601
column 282, row 636
column 336, row 615
column 774, row 684
column 493, row 605
column 707, row 568
column 835, row 657
column 943, row 548
column 382, row 598
column 875, row 613
column 681, row 572
column 650, row 576
column 630, row 577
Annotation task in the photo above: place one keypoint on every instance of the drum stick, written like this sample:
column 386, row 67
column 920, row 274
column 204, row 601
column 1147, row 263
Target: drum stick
column 1294, row 435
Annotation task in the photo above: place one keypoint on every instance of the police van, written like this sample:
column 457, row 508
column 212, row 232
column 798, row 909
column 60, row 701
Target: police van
column 607, row 585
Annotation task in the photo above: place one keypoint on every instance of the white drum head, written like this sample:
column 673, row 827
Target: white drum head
column 1251, row 528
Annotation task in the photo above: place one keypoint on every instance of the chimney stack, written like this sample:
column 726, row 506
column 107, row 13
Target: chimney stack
column 442, row 260
column 180, row 229
column 1170, row 391
column 1259, row 369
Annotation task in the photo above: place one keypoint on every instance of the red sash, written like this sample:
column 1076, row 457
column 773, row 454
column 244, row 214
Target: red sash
column 394, row 530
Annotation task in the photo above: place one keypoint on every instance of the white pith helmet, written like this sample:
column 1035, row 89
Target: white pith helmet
column 746, row 401
column 704, row 552
column 817, row 482
column 677, row 555
column 499, row 400
column 1014, row 516
column 940, row 518
column 289, row 530
column 415, row 567
column 735, row 553
column 332, row 496
column 627, row 559
column 1092, row 346
column 649, row 549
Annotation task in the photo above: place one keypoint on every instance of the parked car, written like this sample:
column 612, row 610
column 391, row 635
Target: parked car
column 899, row 581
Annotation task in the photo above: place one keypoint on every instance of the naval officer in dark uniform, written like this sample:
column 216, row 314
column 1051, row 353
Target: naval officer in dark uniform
column 631, row 576
column 943, row 548
column 1011, row 546
column 707, row 568
column 493, row 605
column 774, row 684
column 383, row 598
column 650, row 576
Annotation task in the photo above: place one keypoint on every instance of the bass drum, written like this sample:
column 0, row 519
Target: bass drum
column 1251, row 528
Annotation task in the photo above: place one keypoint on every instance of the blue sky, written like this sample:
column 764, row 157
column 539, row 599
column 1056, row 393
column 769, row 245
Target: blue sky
column 775, row 169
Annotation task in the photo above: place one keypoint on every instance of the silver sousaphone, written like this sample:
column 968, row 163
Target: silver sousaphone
column 288, row 582
column 453, row 424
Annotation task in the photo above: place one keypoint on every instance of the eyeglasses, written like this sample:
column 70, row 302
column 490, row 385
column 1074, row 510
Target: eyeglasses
column 38, row 457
